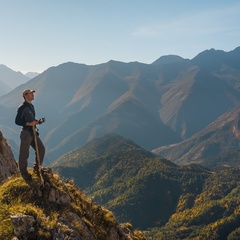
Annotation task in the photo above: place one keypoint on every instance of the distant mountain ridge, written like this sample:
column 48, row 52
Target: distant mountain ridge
column 153, row 104
column 214, row 59
column 10, row 79
column 31, row 74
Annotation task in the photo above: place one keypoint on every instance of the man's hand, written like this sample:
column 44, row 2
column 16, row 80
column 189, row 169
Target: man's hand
column 33, row 123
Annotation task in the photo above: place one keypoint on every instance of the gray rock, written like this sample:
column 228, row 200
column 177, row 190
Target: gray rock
column 8, row 165
column 23, row 224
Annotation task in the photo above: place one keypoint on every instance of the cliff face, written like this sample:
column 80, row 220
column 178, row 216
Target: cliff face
column 8, row 165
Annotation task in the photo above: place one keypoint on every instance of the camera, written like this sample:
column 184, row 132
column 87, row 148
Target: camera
column 41, row 120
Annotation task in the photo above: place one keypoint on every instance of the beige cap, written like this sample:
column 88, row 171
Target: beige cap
column 26, row 91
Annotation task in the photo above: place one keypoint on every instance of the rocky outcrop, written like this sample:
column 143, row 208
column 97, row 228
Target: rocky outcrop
column 54, row 210
column 8, row 165
column 57, row 210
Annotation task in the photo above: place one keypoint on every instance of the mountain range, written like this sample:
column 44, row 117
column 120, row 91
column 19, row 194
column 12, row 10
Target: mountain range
column 157, row 144
column 155, row 105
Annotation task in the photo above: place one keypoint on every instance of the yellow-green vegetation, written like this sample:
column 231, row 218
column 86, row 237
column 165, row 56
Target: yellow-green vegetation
column 82, row 213
column 213, row 214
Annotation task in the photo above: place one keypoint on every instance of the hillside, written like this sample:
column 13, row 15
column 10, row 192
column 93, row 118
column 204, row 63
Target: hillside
column 56, row 211
column 215, row 146
column 116, row 171
column 212, row 214
column 89, row 163
column 169, row 201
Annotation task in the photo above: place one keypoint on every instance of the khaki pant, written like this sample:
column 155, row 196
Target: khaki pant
column 27, row 140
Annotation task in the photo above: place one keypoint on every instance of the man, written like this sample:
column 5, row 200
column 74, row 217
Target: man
column 26, row 118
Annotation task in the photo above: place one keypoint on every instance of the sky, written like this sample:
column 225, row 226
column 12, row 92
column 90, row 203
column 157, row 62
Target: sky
column 36, row 35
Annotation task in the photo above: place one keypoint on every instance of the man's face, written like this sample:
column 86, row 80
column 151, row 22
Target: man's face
column 29, row 96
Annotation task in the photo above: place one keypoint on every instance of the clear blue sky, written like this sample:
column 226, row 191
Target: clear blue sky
column 38, row 34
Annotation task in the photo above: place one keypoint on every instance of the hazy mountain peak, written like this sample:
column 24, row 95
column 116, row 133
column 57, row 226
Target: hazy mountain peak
column 12, row 78
column 4, row 67
column 168, row 59
column 32, row 74
column 215, row 60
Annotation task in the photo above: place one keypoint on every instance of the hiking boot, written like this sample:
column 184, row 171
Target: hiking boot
column 27, row 176
column 36, row 169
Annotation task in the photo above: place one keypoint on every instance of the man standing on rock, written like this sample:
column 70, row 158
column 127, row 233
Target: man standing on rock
column 26, row 118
